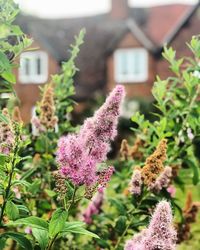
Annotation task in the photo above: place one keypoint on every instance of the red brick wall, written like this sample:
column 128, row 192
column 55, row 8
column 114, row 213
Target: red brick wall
column 29, row 93
column 141, row 89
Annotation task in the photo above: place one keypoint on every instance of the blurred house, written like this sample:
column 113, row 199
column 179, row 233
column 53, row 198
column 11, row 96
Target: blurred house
column 122, row 46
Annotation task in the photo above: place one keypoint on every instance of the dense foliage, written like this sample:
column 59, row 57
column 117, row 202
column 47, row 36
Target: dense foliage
column 54, row 191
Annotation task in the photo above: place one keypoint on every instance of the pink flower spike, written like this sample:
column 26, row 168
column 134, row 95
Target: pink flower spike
column 159, row 235
column 171, row 190
column 94, row 207
column 79, row 155
column 136, row 183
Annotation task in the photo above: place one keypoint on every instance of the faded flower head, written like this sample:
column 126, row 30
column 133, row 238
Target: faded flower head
column 47, row 118
column 159, row 235
column 79, row 154
column 154, row 164
column 189, row 216
column 124, row 150
column 16, row 115
column 133, row 152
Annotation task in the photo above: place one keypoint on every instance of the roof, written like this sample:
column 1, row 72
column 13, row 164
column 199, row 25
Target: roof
column 151, row 26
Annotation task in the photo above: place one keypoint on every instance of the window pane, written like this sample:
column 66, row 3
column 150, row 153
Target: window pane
column 131, row 65
column 38, row 65
column 123, row 64
column 26, row 66
column 137, row 62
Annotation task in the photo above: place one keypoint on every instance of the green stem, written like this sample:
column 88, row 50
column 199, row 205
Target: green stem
column 73, row 199
column 122, row 236
column 191, row 105
column 6, row 197
column 7, row 191
column 52, row 242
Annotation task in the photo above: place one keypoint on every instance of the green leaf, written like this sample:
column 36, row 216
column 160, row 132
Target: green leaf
column 195, row 178
column 2, row 242
column 74, row 224
column 3, row 118
column 12, row 210
column 76, row 228
column 41, row 237
column 159, row 89
column 57, row 222
column 32, row 221
column 19, row 238
column 121, row 224
column 4, row 62
column 35, row 186
column 23, row 208
column 9, row 76
column 50, row 192
column 119, row 206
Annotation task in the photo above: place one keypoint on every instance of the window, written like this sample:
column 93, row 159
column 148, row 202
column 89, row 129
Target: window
column 33, row 67
column 131, row 65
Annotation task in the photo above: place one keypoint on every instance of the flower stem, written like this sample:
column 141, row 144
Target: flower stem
column 73, row 199
column 7, row 191
column 122, row 236
column 51, row 242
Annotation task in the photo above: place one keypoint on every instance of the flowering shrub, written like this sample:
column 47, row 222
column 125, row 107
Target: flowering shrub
column 163, row 160
column 54, row 177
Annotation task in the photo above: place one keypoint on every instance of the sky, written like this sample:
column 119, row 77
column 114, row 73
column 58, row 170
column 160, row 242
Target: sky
column 72, row 8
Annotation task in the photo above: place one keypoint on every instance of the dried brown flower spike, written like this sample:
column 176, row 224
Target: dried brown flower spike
column 47, row 109
column 16, row 115
column 124, row 150
column 154, row 164
column 135, row 152
column 189, row 214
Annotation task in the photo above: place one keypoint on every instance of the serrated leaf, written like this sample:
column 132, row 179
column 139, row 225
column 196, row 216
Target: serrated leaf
column 41, row 237
column 12, row 210
column 9, row 76
column 78, row 229
column 32, row 221
column 19, row 238
column 57, row 221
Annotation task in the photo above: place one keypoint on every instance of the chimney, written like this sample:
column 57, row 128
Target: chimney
column 119, row 9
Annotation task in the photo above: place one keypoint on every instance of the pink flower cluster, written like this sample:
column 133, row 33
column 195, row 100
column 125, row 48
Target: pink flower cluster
column 159, row 235
column 7, row 134
column 163, row 180
column 94, row 207
column 37, row 127
column 136, row 182
column 79, row 154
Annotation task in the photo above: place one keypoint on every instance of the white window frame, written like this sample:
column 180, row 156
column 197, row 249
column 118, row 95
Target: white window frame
column 33, row 77
column 131, row 78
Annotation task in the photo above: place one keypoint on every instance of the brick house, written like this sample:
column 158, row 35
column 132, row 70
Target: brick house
column 122, row 46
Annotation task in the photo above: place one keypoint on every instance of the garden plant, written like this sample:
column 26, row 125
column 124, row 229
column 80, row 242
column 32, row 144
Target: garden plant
column 58, row 190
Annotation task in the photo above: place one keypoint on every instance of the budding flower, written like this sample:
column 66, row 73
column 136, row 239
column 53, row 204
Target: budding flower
column 190, row 134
